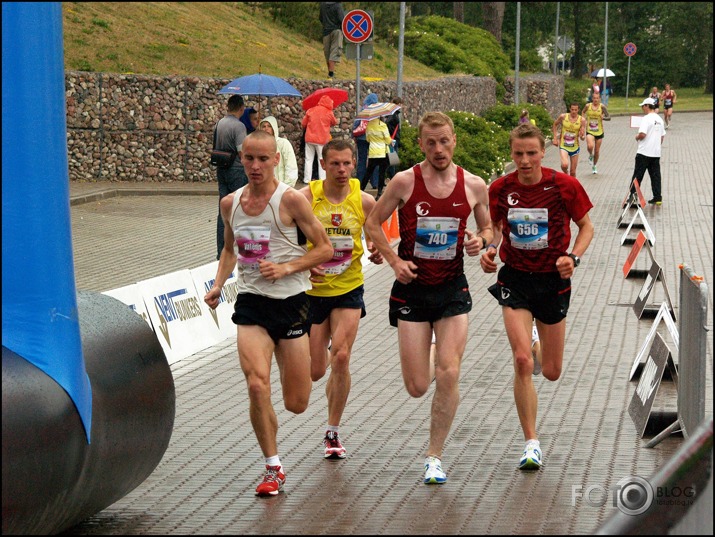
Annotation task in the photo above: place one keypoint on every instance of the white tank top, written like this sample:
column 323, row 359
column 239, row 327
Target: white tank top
column 265, row 236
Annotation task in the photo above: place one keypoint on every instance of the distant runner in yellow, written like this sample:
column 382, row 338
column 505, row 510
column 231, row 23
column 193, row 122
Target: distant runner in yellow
column 593, row 115
column 573, row 127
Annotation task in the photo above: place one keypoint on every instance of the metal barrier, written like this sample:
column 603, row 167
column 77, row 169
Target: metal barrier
column 693, row 348
column 678, row 497
column 692, row 360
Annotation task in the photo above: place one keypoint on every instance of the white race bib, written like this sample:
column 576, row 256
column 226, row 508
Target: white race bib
column 529, row 228
column 342, row 255
column 436, row 237
column 253, row 244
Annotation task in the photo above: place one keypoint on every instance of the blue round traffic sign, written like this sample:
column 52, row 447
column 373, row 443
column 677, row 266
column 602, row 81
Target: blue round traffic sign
column 629, row 49
column 357, row 26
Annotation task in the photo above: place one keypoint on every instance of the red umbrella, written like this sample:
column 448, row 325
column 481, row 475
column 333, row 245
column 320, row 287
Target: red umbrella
column 339, row 96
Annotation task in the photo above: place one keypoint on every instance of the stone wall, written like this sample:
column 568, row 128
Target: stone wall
column 545, row 90
column 146, row 128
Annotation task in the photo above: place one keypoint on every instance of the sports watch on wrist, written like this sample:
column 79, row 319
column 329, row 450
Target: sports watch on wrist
column 484, row 243
column 576, row 260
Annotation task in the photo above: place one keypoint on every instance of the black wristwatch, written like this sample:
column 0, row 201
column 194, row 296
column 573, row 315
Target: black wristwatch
column 576, row 260
column 484, row 243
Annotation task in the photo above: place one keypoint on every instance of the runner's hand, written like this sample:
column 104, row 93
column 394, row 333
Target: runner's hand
column 472, row 243
column 317, row 274
column 272, row 271
column 405, row 271
column 213, row 297
column 375, row 256
column 488, row 261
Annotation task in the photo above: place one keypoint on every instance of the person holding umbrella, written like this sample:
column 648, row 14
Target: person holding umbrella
column 317, row 122
column 378, row 136
column 363, row 146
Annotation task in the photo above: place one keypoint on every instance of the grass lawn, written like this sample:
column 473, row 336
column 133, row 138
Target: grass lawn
column 689, row 99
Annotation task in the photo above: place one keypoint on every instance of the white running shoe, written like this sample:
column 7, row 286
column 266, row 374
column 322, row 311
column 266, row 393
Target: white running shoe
column 433, row 471
column 531, row 458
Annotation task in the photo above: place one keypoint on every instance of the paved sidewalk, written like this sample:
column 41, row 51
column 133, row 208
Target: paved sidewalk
column 205, row 482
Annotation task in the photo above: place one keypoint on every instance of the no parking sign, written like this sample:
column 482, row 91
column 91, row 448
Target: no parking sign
column 357, row 26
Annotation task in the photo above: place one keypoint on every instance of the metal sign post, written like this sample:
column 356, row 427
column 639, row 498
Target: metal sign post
column 357, row 28
column 629, row 49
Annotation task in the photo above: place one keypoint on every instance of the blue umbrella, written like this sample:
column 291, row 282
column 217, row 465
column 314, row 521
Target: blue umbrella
column 260, row 85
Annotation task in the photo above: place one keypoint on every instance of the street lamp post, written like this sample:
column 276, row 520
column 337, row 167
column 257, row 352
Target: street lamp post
column 556, row 43
column 516, row 62
column 605, row 61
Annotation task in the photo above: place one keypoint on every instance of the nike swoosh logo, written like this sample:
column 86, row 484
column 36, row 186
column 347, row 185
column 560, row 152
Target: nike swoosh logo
column 457, row 204
column 548, row 187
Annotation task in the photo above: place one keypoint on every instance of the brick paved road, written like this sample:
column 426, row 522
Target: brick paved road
column 205, row 482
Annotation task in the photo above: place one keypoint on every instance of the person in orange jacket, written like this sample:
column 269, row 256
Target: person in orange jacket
column 317, row 123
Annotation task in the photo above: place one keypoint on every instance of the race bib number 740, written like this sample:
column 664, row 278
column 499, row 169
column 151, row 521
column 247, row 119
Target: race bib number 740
column 436, row 237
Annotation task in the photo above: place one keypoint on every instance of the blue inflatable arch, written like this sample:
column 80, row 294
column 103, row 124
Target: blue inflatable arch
column 39, row 300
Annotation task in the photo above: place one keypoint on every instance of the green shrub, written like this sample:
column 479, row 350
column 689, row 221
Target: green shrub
column 529, row 60
column 507, row 116
column 482, row 146
column 452, row 47
column 575, row 94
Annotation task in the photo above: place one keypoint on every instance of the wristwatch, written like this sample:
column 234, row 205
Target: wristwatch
column 484, row 243
column 576, row 260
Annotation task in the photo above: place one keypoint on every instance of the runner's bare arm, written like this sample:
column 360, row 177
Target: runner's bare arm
column 295, row 207
column 227, row 261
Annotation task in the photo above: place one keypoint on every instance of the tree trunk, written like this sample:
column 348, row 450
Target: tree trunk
column 493, row 13
column 709, row 77
column 459, row 11
column 577, row 68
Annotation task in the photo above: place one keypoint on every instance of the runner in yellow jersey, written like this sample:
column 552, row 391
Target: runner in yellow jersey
column 336, row 298
column 593, row 115
column 573, row 127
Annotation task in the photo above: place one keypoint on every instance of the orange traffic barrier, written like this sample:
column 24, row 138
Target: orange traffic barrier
column 391, row 227
column 394, row 227
column 386, row 230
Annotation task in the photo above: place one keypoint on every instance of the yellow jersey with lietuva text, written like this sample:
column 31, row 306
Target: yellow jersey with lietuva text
column 343, row 222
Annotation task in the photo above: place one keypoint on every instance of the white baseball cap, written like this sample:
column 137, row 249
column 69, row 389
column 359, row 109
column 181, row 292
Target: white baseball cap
column 648, row 101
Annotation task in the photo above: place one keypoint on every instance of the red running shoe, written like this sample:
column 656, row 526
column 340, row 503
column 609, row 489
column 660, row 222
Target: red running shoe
column 333, row 448
column 272, row 483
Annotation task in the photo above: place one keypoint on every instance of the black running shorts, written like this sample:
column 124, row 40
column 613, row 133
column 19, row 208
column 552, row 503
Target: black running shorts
column 321, row 306
column 419, row 303
column 544, row 294
column 283, row 318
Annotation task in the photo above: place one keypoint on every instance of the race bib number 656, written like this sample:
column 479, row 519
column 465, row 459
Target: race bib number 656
column 529, row 228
